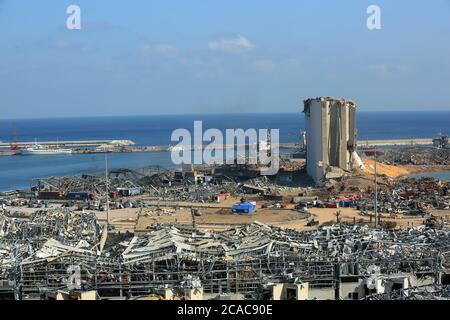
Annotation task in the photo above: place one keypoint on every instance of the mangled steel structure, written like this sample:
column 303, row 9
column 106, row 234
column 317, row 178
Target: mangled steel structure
column 60, row 252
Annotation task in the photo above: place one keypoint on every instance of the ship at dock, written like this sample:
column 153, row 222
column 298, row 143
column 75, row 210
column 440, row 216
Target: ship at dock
column 38, row 149
column 9, row 152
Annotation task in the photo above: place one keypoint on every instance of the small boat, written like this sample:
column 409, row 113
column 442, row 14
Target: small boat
column 103, row 149
column 178, row 148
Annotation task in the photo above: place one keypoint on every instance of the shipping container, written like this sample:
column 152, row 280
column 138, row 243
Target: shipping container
column 50, row 195
column 178, row 175
column 304, row 199
column 80, row 195
column 219, row 197
column 331, row 205
column 207, row 179
column 126, row 192
column 135, row 191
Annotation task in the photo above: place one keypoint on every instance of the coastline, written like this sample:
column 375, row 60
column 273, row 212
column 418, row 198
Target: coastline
column 418, row 169
column 403, row 171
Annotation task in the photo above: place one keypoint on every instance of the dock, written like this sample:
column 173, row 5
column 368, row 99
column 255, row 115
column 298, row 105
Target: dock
column 376, row 143
column 72, row 143
column 394, row 142
column 84, row 146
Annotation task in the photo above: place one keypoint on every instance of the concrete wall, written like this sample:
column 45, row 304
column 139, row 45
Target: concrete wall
column 321, row 294
column 194, row 293
column 279, row 291
column 86, row 295
column 349, row 287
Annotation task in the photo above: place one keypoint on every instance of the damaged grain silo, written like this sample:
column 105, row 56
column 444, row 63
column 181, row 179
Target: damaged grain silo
column 330, row 137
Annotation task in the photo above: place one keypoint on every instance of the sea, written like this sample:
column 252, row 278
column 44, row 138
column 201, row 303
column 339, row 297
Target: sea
column 18, row 172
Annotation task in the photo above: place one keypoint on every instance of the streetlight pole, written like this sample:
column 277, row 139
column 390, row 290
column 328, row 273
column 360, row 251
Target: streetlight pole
column 376, row 191
column 107, row 188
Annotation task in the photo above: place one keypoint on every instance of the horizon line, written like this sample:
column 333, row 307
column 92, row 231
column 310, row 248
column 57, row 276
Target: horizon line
column 205, row 114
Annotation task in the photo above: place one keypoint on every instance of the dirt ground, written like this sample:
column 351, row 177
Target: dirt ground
column 397, row 171
column 218, row 216
column 221, row 219
column 385, row 169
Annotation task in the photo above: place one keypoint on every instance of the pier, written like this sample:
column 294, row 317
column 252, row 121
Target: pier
column 377, row 143
column 72, row 143
column 394, row 142
column 83, row 146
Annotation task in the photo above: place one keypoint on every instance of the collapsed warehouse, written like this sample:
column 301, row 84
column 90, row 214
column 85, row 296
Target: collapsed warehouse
column 197, row 184
column 65, row 251
column 414, row 156
column 408, row 196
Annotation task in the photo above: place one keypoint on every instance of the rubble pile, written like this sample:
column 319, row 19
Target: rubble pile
column 57, row 266
column 92, row 183
column 21, row 238
column 157, row 212
column 68, row 226
column 414, row 156
column 162, row 184
column 42, row 254
column 435, row 292
column 62, row 225
column 260, row 254
column 409, row 196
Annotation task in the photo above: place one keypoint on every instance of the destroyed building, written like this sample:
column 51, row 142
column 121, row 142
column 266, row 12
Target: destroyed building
column 43, row 257
column 330, row 137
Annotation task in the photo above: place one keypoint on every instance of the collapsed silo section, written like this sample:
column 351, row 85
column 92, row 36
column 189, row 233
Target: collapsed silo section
column 330, row 137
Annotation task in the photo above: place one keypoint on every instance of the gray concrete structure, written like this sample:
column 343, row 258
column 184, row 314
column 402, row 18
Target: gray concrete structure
column 330, row 137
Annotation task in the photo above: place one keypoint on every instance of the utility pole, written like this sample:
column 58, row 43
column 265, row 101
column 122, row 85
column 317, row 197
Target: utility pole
column 194, row 225
column 107, row 190
column 106, row 226
column 376, row 191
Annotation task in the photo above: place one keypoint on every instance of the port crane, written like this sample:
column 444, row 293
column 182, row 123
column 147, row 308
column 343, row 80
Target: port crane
column 14, row 145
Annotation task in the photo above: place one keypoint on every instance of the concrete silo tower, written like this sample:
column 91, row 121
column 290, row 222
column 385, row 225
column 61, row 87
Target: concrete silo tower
column 330, row 137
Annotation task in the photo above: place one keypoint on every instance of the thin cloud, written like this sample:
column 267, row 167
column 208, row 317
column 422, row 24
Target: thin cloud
column 264, row 65
column 75, row 47
column 165, row 50
column 384, row 69
column 231, row 45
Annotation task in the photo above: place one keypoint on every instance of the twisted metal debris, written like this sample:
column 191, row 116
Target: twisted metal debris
column 40, row 256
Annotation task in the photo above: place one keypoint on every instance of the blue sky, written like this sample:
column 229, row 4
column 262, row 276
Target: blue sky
column 217, row 56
